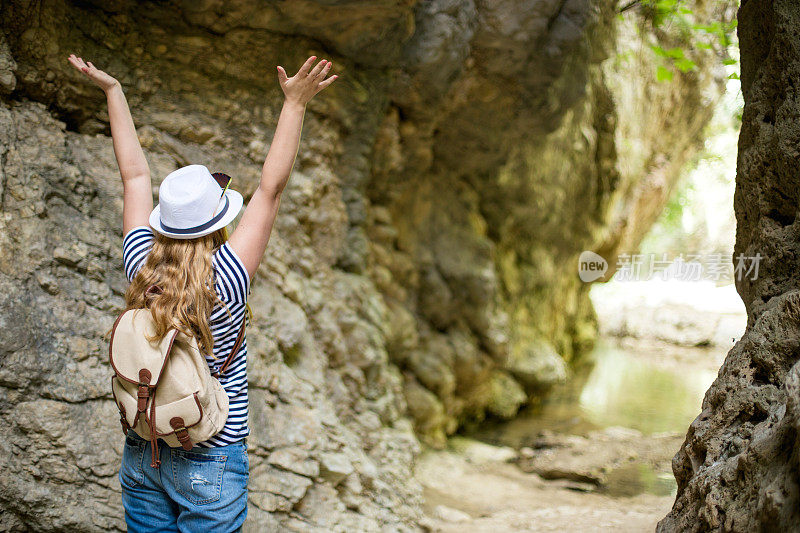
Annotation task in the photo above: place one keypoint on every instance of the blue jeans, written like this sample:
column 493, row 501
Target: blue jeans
column 201, row 490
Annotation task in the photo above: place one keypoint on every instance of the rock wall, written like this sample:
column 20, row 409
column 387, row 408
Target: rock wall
column 739, row 466
column 330, row 449
column 421, row 273
column 536, row 156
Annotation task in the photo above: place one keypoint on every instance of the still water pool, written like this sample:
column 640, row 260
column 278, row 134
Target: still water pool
column 650, row 391
column 653, row 388
column 645, row 386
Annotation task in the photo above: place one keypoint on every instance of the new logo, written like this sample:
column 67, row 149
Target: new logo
column 591, row 266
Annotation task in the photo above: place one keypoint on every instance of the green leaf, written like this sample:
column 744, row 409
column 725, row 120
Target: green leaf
column 685, row 65
column 664, row 74
column 676, row 53
column 729, row 61
column 712, row 28
column 672, row 53
column 659, row 51
column 733, row 76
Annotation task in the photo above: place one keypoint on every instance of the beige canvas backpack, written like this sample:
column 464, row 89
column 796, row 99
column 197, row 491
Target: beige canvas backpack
column 165, row 390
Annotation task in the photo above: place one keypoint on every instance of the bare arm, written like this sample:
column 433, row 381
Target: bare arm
column 137, row 188
column 250, row 238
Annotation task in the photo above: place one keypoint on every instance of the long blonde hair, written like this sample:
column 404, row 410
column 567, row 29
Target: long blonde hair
column 184, row 271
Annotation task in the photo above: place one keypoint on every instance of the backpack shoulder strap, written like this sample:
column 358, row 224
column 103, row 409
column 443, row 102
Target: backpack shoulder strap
column 154, row 289
column 235, row 348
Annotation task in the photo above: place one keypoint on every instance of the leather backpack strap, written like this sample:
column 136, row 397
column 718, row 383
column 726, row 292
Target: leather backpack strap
column 236, row 345
column 179, row 428
column 123, row 419
column 153, row 288
column 155, row 453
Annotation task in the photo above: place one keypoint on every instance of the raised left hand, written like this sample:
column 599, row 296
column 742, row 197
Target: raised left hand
column 97, row 76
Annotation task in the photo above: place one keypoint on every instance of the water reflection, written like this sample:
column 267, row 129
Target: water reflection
column 627, row 389
column 636, row 478
column 654, row 388
column 648, row 387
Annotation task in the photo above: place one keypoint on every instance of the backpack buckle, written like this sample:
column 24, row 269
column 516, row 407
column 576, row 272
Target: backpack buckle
column 181, row 432
column 143, row 394
column 144, row 389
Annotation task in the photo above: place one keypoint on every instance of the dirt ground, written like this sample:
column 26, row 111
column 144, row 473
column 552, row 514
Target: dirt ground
column 482, row 491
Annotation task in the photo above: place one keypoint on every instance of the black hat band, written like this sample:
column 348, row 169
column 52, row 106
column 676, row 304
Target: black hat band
column 201, row 227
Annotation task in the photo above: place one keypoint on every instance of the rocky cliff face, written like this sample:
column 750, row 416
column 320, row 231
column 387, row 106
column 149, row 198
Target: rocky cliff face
column 739, row 467
column 421, row 273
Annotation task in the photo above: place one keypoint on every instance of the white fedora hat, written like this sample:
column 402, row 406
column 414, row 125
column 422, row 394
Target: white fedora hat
column 191, row 204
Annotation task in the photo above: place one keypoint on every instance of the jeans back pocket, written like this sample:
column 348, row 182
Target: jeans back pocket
column 198, row 476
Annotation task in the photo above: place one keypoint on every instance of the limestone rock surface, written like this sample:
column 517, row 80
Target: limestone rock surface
column 738, row 468
column 421, row 273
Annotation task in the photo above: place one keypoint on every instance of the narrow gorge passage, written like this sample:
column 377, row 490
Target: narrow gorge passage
column 597, row 454
column 421, row 325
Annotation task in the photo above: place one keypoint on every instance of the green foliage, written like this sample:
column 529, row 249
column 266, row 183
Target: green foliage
column 673, row 211
column 680, row 19
column 663, row 73
column 677, row 56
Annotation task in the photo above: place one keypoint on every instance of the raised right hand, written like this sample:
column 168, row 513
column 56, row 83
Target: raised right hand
column 307, row 82
column 98, row 77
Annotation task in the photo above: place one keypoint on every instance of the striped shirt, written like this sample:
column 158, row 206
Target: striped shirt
column 232, row 284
